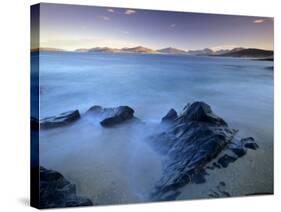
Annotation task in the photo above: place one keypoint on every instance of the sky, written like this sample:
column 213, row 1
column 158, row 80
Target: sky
column 74, row 26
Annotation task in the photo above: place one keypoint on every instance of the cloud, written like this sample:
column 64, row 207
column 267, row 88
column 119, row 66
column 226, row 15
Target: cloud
column 259, row 21
column 129, row 12
column 173, row 25
column 105, row 18
column 110, row 10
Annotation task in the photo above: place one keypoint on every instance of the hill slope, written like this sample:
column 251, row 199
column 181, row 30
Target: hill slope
column 171, row 50
column 256, row 53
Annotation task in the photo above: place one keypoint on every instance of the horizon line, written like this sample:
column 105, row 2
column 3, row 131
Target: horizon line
column 141, row 46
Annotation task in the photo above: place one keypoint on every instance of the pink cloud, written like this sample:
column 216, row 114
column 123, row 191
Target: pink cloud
column 259, row 21
column 110, row 10
column 129, row 12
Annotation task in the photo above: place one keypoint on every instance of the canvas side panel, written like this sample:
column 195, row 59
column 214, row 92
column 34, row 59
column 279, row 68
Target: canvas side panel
column 34, row 98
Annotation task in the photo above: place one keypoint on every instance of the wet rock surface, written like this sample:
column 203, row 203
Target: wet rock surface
column 170, row 116
column 108, row 117
column 60, row 120
column 56, row 191
column 196, row 141
column 112, row 116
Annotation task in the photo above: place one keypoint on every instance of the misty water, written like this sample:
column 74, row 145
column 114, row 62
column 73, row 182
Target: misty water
column 117, row 165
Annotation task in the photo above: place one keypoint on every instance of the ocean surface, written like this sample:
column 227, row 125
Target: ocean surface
column 113, row 166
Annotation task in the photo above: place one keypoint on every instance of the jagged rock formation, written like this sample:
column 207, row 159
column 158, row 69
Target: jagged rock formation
column 57, row 192
column 112, row 116
column 192, row 142
column 108, row 117
column 170, row 116
column 60, row 120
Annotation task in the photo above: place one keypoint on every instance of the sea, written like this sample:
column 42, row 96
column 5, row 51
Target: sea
column 117, row 165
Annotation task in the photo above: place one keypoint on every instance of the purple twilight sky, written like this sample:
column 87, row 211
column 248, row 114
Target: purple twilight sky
column 74, row 26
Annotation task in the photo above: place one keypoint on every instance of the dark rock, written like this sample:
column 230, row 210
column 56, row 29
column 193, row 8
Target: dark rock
column 225, row 194
column 112, row 116
column 60, row 120
column 253, row 146
column 225, row 160
column 170, row 116
column 219, row 191
column 199, row 178
column 194, row 139
column 97, row 109
column 214, row 195
column 237, row 146
column 57, row 192
column 239, row 151
column 222, row 184
column 216, row 165
column 120, row 115
column 201, row 112
column 250, row 143
column 210, row 167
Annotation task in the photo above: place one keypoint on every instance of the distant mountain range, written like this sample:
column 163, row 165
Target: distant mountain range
column 171, row 50
column 235, row 52
column 139, row 49
column 205, row 51
column 249, row 53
